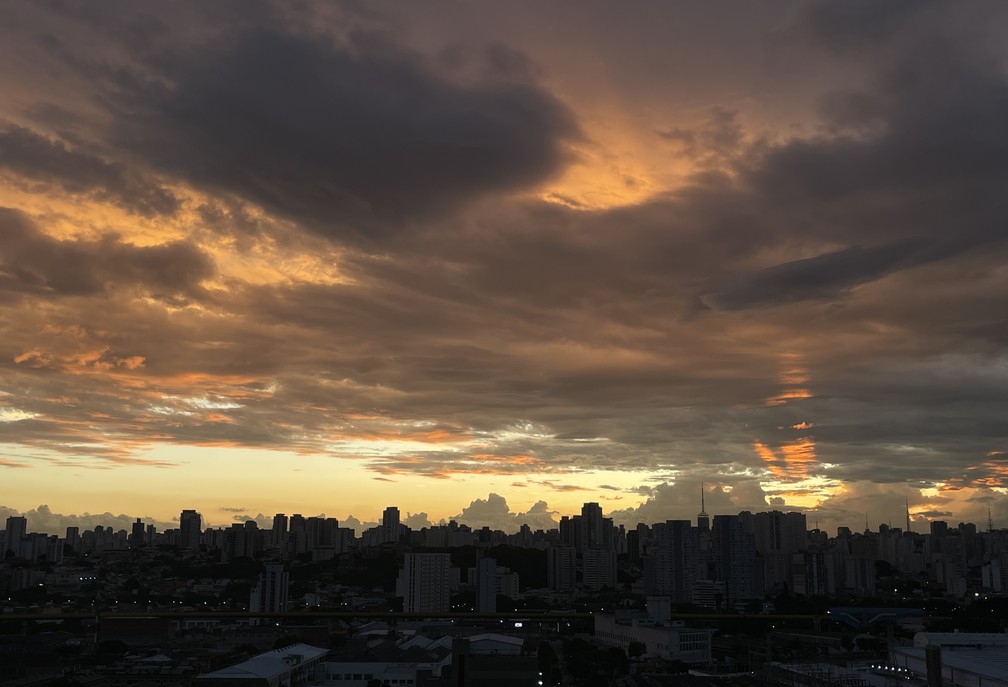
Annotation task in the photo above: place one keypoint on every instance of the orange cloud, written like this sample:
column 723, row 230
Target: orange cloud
column 793, row 379
column 788, row 395
column 793, row 463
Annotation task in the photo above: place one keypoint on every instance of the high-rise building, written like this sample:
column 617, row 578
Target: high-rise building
column 297, row 537
column 54, row 551
column 734, row 555
column 390, row 529
column 424, row 582
column 17, row 528
column 486, row 585
column 190, row 529
column 137, row 534
column 599, row 568
column 672, row 563
column 777, row 536
column 591, row 525
column 561, row 568
column 568, row 531
column 269, row 595
column 279, row 531
column 73, row 538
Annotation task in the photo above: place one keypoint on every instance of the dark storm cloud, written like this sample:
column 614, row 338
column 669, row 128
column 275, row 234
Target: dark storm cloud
column 823, row 276
column 328, row 134
column 32, row 157
column 861, row 23
column 33, row 262
column 924, row 185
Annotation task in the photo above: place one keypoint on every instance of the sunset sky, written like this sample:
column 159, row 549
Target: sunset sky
column 493, row 260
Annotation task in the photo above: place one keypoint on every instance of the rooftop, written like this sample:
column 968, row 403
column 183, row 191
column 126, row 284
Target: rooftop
column 271, row 664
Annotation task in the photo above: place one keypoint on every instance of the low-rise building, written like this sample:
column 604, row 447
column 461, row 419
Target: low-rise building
column 968, row 659
column 665, row 639
column 287, row 667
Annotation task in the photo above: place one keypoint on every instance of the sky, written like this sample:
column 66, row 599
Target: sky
column 489, row 261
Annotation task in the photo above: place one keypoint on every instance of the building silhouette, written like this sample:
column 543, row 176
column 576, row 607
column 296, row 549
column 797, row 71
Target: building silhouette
column 190, row 529
column 390, row 527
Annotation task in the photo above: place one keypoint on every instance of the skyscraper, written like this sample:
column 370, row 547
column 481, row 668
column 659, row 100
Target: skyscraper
column 672, row 563
column 599, row 568
column 424, row 582
column 73, row 538
column 297, row 538
column 734, row 554
column 137, row 534
column 777, row 537
column 278, row 536
column 561, row 568
column 591, row 524
column 390, row 525
column 17, row 527
column 190, row 529
column 486, row 585
column 269, row 595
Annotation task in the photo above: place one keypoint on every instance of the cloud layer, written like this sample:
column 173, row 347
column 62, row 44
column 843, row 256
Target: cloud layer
column 350, row 234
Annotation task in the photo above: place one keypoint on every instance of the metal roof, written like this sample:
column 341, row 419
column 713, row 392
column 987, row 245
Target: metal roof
column 269, row 665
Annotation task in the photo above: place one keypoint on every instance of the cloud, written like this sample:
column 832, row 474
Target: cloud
column 861, row 23
column 33, row 262
column 357, row 525
column 680, row 500
column 417, row 521
column 336, row 134
column 502, row 325
column 36, row 158
column 494, row 512
column 265, row 522
column 42, row 519
column 824, row 276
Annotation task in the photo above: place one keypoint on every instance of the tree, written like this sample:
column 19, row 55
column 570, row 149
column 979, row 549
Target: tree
column 285, row 641
column 549, row 664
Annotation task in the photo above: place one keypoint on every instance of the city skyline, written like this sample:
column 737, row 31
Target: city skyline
column 499, row 260
column 495, row 517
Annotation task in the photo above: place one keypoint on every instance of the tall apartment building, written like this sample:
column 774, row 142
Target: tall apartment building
column 734, row 554
column 390, row 529
column 591, row 526
column 269, row 595
column 190, row 529
column 598, row 568
column 138, row 534
column 73, row 538
column 297, row 536
column 777, row 537
column 672, row 563
column 278, row 533
column 486, row 585
column 424, row 582
column 561, row 568
column 241, row 540
column 16, row 529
